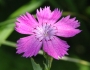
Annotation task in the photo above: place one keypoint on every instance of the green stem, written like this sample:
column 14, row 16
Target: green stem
column 9, row 43
column 75, row 60
column 49, row 60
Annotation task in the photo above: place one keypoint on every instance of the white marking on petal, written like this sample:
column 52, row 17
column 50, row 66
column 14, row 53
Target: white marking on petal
column 45, row 31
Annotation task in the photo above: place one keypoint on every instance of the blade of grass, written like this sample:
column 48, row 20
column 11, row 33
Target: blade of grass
column 4, row 33
column 75, row 60
column 31, row 6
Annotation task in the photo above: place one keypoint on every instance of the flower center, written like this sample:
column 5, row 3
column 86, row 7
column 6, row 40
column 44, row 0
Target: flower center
column 45, row 31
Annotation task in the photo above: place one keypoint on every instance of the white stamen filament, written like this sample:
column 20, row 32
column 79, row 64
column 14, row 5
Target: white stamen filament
column 45, row 31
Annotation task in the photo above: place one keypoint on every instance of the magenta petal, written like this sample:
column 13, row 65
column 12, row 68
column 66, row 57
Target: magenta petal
column 30, row 46
column 43, row 15
column 66, row 31
column 69, row 21
column 56, row 48
column 56, row 14
column 23, row 28
column 46, row 16
column 32, row 21
column 45, row 31
column 25, row 24
column 49, row 49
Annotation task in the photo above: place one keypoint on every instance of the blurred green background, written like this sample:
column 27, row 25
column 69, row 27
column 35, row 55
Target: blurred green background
column 79, row 52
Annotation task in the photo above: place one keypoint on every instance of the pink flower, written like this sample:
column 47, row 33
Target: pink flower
column 44, row 30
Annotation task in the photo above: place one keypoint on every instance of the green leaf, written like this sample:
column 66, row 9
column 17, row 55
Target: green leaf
column 31, row 6
column 35, row 65
column 5, row 32
column 7, row 22
column 84, row 67
column 46, row 68
column 9, row 43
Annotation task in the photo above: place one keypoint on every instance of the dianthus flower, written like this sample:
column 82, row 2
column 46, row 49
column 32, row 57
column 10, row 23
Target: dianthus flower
column 44, row 31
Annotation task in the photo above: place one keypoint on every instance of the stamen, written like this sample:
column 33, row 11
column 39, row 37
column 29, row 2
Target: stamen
column 45, row 31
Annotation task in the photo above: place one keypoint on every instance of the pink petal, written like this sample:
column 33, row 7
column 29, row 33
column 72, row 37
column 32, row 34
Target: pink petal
column 66, row 31
column 46, row 16
column 25, row 24
column 23, row 28
column 56, row 14
column 56, row 48
column 43, row 15
column 30, row 46
column 69, row 21
column 31, row 19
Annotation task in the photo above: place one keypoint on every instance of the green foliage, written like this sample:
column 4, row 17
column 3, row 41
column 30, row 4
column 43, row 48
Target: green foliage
column 35, row 65
column 29, row 7
column 4, row 33
column 80, row 44
column 9, row 27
